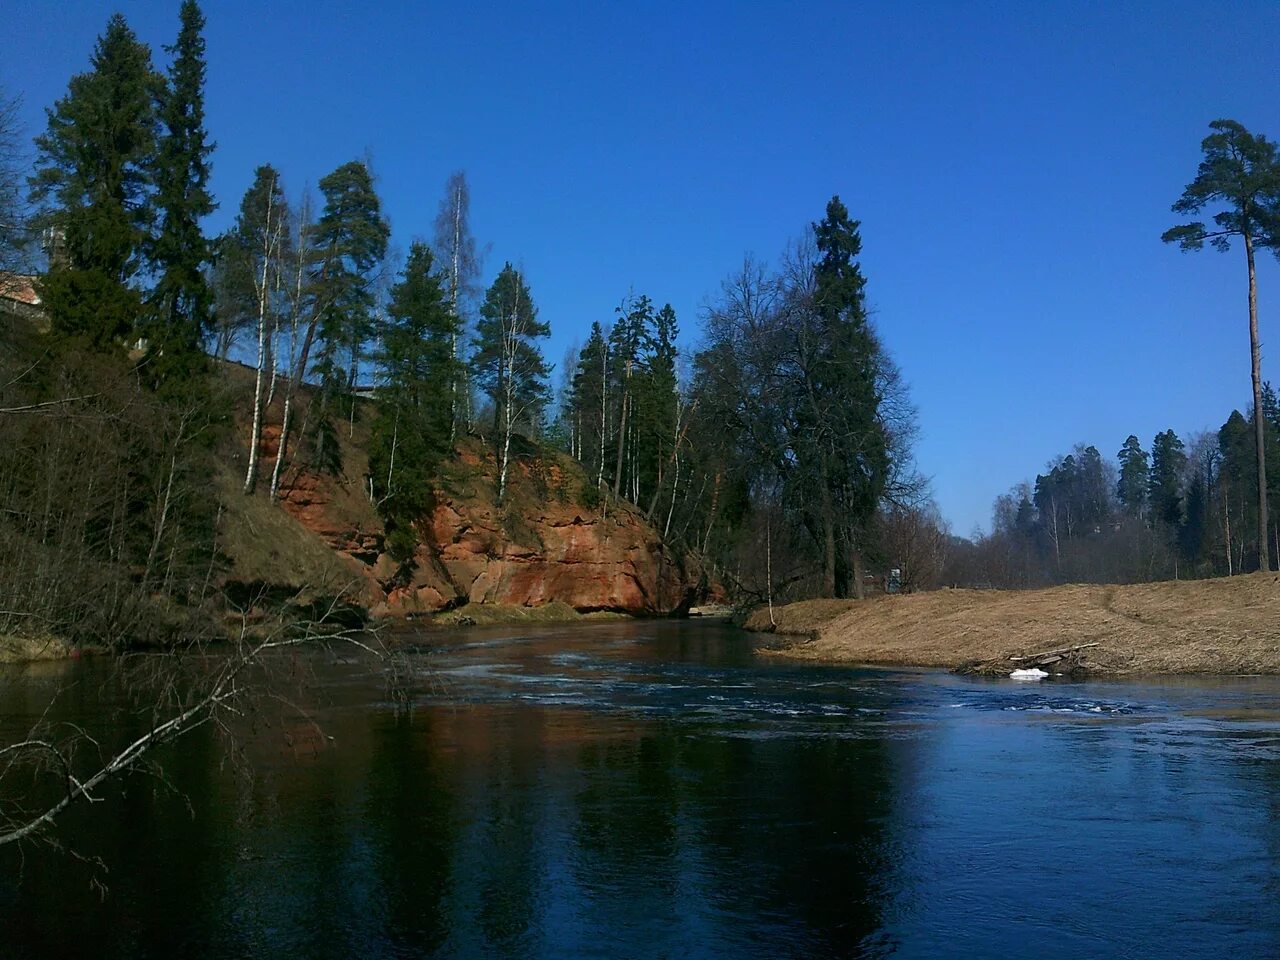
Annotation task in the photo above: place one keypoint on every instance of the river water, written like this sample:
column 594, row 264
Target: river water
column 656, row 789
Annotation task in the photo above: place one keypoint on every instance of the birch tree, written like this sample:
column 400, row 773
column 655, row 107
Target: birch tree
column 300, row 308
column 507, row 363
column 254, row 254
column 455, row 249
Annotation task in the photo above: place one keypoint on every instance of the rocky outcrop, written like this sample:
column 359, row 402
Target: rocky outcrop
column 589, row 561
column 531, row 551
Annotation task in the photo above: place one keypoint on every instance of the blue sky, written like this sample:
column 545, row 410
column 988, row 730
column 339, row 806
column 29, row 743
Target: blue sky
column 1012, row 165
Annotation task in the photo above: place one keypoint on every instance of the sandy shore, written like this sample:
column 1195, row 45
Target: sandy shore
column 1225, row 626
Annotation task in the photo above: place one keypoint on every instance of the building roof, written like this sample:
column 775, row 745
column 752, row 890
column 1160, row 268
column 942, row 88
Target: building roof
column 20, row 287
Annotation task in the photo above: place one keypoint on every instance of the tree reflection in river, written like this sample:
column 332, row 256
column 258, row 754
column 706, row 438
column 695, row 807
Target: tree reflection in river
column 652, row 790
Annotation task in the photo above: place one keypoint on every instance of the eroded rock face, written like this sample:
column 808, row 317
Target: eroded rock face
column 473, row 553
column 615, row 562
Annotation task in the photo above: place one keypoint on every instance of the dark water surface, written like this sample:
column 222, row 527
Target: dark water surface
column 657, row 790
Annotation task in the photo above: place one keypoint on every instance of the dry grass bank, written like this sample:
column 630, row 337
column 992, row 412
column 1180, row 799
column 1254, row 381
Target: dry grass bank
column 1225, row 626
column 19, row 649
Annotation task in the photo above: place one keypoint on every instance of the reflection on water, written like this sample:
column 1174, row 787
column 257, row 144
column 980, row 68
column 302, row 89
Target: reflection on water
column 655, row 790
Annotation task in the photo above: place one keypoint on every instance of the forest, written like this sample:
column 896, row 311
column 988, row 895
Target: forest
column 778, row 448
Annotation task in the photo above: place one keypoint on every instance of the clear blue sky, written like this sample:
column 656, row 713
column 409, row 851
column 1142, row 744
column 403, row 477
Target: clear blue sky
column 1012, row 165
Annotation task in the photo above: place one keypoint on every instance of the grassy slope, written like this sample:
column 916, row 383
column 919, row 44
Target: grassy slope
column 1225, row 626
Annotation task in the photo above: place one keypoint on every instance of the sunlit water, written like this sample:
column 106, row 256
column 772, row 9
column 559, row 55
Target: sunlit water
column 658, row 790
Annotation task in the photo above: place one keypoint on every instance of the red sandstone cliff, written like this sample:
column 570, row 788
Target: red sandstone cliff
column 543, row 545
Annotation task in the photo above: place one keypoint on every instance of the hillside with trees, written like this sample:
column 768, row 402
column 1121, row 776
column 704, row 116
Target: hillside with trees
column 773, row 457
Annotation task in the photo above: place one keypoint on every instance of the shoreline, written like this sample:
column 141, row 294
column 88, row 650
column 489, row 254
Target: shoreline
column 1222, row 627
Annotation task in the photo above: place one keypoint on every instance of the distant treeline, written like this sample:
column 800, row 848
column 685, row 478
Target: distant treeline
column 1176, row 508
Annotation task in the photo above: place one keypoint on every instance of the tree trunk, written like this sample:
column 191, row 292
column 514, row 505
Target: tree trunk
column 1259, row 434
column 1226, row 520
column 453, row 299
column 622, row 433
column 828, row 536
column 711, row 519
column 255, row 436
column 284, row 433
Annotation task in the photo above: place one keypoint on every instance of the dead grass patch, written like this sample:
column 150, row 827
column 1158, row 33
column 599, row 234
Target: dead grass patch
column 1224, row 626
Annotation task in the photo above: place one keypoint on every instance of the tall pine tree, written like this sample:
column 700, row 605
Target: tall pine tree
column 1165, row 487
column 350, row 241
column 1240, row 174
column 347, row 245
column 1131, row 490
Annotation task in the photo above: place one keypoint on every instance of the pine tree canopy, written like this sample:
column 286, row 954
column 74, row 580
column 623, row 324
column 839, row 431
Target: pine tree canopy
column 349, row 242
column 1239, row 171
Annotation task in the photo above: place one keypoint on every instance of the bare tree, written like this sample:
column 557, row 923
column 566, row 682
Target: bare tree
column 56, row 766
column 13, row 165
column 456, row 248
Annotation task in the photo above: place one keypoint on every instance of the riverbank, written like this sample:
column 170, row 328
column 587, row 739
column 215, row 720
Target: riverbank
column 499, row 614
column 20, row 649
column 1224, row 626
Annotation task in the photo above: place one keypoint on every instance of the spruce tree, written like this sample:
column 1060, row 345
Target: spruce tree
column 180, row 303
column 94, row 186
column 411, row 432
column 852, row 450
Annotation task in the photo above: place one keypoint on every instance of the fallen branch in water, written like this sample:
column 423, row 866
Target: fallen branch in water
column 1002, row 666
column 183, row 691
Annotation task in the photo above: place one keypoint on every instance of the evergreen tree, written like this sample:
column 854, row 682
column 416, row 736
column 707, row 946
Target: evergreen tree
column 180, row 302
column 1093, row 496
column 350, row 242
column 852, row 450
column 1165, row 487
column 589, row 402
column 347, row 245
column 1241, row 174
column 507, row 364
column 635, row 316
column 657, row 406
column 1134, row 477
column 1238, row 482
column 94, row 184
column 412, row 430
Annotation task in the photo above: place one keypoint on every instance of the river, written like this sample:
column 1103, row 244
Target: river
column 657, row 789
